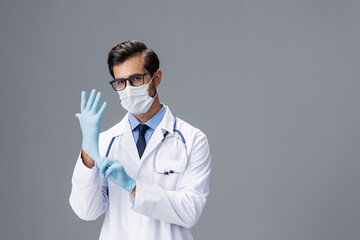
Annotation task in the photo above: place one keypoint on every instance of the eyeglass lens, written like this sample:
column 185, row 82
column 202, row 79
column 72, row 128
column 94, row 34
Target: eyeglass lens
column 135, row 80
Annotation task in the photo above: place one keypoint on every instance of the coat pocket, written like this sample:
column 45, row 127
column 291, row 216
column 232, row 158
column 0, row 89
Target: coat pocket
column 168, row 174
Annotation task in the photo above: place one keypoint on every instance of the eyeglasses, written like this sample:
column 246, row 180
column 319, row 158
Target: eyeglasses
column 135, row 80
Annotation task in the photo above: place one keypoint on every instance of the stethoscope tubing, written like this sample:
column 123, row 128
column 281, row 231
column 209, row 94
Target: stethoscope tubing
column 165, row 134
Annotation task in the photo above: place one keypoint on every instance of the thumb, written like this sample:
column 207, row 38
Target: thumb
column 110, row 170
column 77, row 115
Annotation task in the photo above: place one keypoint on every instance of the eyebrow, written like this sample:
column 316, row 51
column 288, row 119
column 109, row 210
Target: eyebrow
column 135, row 74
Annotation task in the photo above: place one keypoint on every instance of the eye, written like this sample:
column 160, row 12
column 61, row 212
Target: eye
column 137, row 78
column 120, row 84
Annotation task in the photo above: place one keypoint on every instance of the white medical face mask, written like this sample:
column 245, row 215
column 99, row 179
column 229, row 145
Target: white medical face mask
column 136, row 99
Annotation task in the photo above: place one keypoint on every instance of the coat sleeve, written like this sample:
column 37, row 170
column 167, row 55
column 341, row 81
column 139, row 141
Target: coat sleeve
column 89, row 193
column 185, row 205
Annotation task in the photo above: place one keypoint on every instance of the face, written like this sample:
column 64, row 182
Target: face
column 136, row 65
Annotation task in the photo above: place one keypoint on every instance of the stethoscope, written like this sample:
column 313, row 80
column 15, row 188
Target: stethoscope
column 168, row 166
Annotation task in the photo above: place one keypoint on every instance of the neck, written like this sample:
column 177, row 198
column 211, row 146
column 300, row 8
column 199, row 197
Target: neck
column 155, row 108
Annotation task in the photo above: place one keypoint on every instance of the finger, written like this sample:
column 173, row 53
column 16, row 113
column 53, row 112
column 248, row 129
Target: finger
column 105, row 164
column 110, row 170
column 78, row 115
column 91, row 100
column 83, row 101
column 96, row 102
column 102, row 109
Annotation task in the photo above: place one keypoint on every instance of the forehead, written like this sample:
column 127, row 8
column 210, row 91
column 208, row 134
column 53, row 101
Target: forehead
column 130, row 66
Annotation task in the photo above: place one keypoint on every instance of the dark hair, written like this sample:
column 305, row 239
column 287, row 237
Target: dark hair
column 126, row 50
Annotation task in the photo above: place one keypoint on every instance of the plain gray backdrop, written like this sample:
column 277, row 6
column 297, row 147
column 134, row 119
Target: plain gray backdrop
column 273, row 84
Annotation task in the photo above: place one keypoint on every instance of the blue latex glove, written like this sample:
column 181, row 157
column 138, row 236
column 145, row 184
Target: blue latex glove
column 90, row 124
column 116, row 173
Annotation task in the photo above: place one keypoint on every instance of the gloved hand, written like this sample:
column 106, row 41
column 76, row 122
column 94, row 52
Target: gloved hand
column 90, row 124
column 116, row 173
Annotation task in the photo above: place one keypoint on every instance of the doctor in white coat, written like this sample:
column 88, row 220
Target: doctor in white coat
column 149, row 173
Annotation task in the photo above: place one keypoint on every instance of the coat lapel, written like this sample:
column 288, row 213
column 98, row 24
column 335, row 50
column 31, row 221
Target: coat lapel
column 128, row 143
column 166, row 124
column 127, row 139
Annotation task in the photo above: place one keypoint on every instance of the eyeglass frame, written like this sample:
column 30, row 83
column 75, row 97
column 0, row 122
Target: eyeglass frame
column 128, row 79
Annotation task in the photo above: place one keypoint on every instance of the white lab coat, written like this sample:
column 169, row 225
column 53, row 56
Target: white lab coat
column 165, row 206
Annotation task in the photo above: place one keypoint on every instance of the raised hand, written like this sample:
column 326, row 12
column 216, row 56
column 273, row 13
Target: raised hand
column 90, row 124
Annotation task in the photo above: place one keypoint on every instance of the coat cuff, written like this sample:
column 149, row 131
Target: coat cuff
column 85, row 172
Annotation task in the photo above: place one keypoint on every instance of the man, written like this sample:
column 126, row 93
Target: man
column 150, row 172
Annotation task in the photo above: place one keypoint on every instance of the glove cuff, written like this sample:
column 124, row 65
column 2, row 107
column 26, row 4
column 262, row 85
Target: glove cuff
column 131, row 185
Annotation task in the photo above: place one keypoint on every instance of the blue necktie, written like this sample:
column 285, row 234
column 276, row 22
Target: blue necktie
column 141, row 143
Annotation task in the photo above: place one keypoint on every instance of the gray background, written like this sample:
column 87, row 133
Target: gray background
column 273, row 84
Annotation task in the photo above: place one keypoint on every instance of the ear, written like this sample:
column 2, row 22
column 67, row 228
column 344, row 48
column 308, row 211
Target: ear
column 157, row 77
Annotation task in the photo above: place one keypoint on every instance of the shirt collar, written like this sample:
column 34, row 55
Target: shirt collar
column 152, row 122
column 166, row 124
